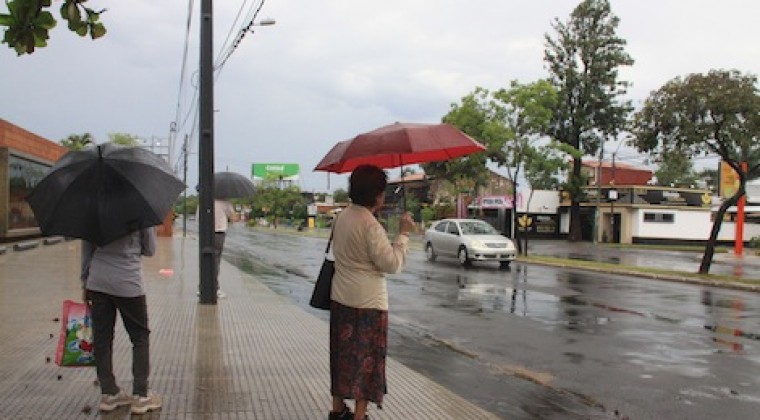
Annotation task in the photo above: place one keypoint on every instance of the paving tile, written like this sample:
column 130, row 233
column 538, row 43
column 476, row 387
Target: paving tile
column 254, row 355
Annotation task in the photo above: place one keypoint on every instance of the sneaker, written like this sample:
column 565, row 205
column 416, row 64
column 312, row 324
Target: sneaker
column 141, row 405
column 346, row 414
column 112, row 402
column 219, row 294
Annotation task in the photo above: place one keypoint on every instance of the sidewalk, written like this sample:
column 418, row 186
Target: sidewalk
column 254, row 355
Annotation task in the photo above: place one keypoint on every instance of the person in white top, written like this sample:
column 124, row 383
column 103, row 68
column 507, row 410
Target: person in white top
column 224, row 213
column 359, row 307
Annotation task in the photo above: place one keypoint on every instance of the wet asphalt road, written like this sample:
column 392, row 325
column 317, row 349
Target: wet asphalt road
column 540, row 342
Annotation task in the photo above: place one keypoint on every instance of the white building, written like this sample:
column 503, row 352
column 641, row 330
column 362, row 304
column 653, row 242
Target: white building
column 649, row 214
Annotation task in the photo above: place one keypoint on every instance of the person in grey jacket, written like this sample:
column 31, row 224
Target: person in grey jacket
column 112, row 281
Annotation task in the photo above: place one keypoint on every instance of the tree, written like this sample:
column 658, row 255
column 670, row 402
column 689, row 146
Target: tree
column 469, row 172
column 507, row 122
column 543, row 170
column 521, row 114
column 124, row 139
column 544, row 165
column 28, row 22
column 187, row 206
column 275, row 202
column 78, row 141
column 675, row 169
column 583, row 59
column 340, row 196
column 709, row 178
column 717, row 112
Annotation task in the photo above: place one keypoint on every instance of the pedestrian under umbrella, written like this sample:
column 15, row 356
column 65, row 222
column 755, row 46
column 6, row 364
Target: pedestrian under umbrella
column 104, row 192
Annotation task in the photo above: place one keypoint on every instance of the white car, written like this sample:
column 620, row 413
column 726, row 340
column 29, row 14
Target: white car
column 468, row 240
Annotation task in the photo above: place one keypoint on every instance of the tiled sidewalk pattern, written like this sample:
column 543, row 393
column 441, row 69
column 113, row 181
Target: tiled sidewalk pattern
column 255, row 355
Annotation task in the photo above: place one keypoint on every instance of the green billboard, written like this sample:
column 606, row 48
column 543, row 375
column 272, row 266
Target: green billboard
column 275, row 171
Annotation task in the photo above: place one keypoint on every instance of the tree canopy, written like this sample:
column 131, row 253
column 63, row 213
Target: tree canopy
column 716, row 113
column 675, row 169
column 340, row 196
column 78, row 141
column 274, row 202
column 468, row 172
column 124, row 139
column 583, row 58
column 28, row 22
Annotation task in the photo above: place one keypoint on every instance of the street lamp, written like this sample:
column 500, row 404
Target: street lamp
column 262, row 22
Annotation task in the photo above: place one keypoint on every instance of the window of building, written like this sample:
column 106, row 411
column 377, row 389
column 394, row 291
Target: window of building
column 659, row 217
column 23, row 175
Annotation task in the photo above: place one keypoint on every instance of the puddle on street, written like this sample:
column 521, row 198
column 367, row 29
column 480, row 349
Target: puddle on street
column 567, row 311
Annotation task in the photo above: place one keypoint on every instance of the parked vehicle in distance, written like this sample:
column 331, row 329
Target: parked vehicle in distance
column 468, row 240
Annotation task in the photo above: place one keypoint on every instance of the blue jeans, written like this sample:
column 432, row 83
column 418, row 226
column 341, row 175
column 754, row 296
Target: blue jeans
column 134, row 314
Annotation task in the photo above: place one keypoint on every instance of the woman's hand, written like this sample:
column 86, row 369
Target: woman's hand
column 406, row 224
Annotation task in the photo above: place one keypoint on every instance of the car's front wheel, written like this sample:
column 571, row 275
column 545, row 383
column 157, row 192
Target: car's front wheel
column 462, row 256
column 430, row 252
column 504, row 264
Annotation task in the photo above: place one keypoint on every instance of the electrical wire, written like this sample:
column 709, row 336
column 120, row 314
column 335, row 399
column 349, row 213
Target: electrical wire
column 175, row 129
column 229, row 33
column 241, row 34
column 224, row 54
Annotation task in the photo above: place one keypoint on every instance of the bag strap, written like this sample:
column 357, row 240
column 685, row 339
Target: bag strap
column 332, row 230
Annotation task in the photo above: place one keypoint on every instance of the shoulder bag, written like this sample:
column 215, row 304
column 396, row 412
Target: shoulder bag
column 320, row 297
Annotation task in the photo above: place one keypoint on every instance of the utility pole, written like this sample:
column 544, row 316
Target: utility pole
column 206, row 156
column 597, row 215
column 613, row 198
column 184, row 180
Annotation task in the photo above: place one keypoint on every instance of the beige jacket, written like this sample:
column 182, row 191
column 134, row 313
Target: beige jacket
column 363, row 255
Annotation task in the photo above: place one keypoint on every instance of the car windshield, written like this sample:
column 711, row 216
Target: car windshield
column 477, row 228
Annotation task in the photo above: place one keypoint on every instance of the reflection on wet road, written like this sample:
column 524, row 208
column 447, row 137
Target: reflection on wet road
column 539, row 342
column 671, row 260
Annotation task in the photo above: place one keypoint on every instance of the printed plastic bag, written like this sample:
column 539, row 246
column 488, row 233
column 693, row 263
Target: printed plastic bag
column 75, row 346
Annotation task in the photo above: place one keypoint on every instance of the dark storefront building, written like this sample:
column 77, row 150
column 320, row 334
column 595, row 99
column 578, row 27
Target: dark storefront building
column 25, row 158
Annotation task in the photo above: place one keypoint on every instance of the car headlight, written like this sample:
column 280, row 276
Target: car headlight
column 477, row 244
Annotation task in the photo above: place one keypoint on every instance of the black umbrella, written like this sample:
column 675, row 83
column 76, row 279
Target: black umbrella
column 104, row 192
column 232, row 185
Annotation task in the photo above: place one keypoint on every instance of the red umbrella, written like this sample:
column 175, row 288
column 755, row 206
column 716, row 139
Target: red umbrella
column 399, row 144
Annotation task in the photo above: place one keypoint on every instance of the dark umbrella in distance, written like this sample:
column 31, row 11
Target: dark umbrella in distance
column 104, row 192
column 232, row 185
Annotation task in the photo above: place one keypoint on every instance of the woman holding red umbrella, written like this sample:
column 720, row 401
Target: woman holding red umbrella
column 359, row 309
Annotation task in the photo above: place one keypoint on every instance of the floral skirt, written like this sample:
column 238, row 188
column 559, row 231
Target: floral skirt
column 358, row 346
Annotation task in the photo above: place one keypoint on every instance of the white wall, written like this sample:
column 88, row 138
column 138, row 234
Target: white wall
column 753, row 191
column 728, row 231
column 564, row 222
column 543, row 201
column 687, row 225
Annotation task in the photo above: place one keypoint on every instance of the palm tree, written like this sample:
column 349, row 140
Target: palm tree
column 77, row 142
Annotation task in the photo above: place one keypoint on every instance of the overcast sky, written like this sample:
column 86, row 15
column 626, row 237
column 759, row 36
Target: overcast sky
column 331, row 69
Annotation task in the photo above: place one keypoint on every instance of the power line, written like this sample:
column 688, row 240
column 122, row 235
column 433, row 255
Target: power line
column 174, row 129
column 232, row 29
column 178, row 127
column 241, row 34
